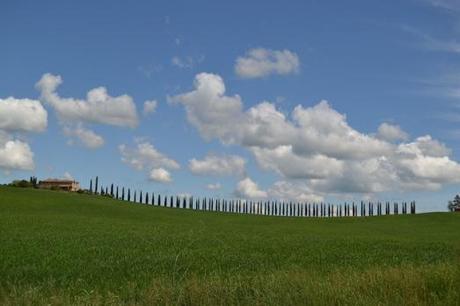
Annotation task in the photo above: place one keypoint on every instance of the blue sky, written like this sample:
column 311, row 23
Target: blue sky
column 387, row 64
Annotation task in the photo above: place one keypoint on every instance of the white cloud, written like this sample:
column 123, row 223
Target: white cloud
column 391, row 132
column 451, row 5
column 150, row 106
column 218, row 165
column 98, row 107
column 68, row 176
column 432, row 43
column 19, row 115
column 144, row 155
column 22, row 115
column 209, row 110
column 247, row 188
column 160, row 175
column 315, row 148
column 286, row 163
column 293, row 191
column 86, row 137
column 262, row 62
column 215, row 186
column 15, row 154
column 323, row 130
column 187, row 62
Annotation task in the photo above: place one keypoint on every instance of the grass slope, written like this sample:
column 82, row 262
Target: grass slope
column 59, row 248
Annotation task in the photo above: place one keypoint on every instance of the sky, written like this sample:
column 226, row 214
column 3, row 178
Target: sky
column 305, row 101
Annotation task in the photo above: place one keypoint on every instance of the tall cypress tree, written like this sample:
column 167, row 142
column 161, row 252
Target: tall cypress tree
column 117, row 193
column 123, row 193
column 90, row 186
column 96, row 185
column 147, row 198
column 129, row 194
column 111, row 190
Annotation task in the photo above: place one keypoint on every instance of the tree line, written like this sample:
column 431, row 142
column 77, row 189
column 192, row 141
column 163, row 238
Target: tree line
column 269, row 207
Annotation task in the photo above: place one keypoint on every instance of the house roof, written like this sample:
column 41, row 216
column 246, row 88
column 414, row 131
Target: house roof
column 57, row 181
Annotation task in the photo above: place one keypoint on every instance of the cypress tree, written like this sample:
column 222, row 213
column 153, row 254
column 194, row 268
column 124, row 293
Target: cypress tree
column 129, row 195
column 153, row 199
column 117, row 193
column 147, row 198
column 135, row 196
column 111, row 190
column 159, row 200
column 140, row 197
column 90, row 186
column 123, row 193
column 96, row 185
column 171, row 201
column 165, row 201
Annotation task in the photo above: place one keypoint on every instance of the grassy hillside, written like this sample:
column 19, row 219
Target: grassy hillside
column 60, row 248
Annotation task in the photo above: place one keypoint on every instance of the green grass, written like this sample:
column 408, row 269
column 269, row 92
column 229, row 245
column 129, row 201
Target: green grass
column 59, row 248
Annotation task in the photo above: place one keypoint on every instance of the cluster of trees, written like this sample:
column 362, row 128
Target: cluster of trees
column 31, row 183
column 454, row 205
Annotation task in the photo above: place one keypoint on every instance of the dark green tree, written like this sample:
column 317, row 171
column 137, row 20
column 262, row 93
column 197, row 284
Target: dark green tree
column 454, row 204
column 96, row 184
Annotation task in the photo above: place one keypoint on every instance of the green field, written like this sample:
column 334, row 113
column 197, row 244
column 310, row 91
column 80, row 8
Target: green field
column 60, row 248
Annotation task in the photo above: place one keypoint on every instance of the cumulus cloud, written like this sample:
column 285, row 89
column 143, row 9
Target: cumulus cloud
column 293, row 191
column 215, row 186
column 150, row 107
column 391, row 132
column 209, row 110
column 22, row 115
column 160, row 175
column 15, row 154
column 145, row 155
column 98, row 107
column 314, row 149
column 17, row 116
column 247, row 188
column 224, row 165
column 86, row 137
column 286, row 163
column 262, row 62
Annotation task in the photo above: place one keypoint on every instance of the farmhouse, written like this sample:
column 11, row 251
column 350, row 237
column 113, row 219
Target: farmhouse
column 68, row 185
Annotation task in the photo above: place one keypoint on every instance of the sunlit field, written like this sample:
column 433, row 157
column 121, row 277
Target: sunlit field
column 61, row 248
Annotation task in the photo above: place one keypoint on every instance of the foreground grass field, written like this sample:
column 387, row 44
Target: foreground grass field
column 58, row 248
